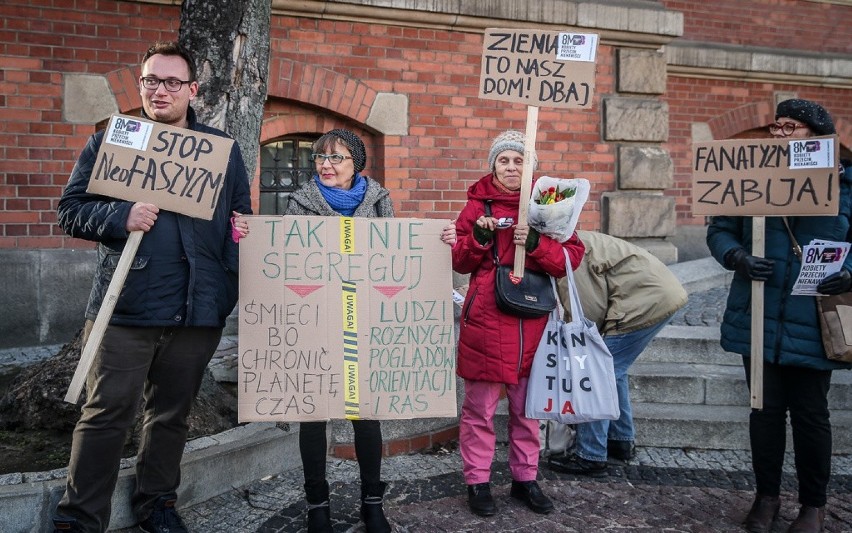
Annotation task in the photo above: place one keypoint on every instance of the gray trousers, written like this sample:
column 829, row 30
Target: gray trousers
column 162, row 365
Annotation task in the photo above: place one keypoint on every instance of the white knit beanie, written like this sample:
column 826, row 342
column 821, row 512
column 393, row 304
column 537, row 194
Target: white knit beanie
column 508, row 140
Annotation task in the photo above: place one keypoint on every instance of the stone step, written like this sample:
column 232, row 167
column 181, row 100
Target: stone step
column 689, row 344
column 677, row 383
column 715, row 427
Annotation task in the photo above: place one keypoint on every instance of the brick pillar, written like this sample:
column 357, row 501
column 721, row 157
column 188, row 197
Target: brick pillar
column 638, row 122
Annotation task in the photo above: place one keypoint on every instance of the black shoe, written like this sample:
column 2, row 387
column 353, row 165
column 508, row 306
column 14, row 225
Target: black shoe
column 530, row 493
column 164, row 518
column 810, row 520
column 480, row 501
column 372, row 512
column 319, row 518
column 319, row 508
column 763, row 512
column 623, row 450
column 571, row 464
column 63, row 524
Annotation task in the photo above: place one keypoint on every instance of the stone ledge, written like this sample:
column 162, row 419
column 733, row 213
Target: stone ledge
column 636, row 21
column 405, row 445
column 210, row 466
column 717, row 60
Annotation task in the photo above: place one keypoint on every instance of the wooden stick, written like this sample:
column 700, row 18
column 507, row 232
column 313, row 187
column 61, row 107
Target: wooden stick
column 526, row 184
column 104, row 314
column 758, row 249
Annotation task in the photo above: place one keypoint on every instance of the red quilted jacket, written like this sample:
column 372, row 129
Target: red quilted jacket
column 494, row 346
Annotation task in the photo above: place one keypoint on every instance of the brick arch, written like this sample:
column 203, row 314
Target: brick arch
column 741, row 119
column 309, row 84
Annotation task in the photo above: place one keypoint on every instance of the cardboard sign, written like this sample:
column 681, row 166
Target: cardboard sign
column 766, row 177
column 176, row 169
column 345, row 317
column 538, row 68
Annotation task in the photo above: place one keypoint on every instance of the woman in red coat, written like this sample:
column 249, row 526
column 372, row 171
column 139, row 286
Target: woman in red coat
column 496, row 349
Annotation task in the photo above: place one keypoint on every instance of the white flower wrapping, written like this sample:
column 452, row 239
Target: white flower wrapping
column 557, row 220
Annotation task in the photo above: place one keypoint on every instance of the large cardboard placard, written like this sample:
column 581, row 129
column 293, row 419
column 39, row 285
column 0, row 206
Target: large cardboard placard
column 176, row 169
column 538, row 68
column 345, row 317
column 766, row 177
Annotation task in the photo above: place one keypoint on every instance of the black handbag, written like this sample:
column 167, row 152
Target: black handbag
column 529, row 297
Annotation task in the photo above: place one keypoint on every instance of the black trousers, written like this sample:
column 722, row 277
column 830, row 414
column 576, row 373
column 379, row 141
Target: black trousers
column 313, row 447
column 804, row 393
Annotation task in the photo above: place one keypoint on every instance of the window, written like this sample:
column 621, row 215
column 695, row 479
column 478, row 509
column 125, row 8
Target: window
column 284, row 166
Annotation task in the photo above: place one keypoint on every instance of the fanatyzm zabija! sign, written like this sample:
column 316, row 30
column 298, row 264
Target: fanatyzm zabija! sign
column 344, row 317
column 766, row 177
column 176, row 169
column 538, row 68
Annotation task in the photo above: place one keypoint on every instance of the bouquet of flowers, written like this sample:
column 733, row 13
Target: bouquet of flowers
column 556, row 205
column 554, row 194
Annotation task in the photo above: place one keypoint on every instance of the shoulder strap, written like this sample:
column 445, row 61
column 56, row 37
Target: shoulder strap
column 796, row 248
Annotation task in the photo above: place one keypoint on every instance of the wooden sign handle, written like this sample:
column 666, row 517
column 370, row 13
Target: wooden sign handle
column 526, row 185
column 758, row 249
column 104, row 314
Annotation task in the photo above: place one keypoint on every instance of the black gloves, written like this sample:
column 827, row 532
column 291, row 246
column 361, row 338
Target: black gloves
column 532, row 240
column 482, row 235
column 837, row 283
column 749, row 266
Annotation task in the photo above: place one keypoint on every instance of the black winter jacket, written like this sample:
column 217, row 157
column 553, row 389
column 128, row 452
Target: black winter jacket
column 791, row 333
column 185, row 271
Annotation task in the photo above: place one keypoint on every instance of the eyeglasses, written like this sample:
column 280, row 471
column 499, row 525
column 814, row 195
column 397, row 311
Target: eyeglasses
column 334, row 159
column 151, row 83
column 785, row 129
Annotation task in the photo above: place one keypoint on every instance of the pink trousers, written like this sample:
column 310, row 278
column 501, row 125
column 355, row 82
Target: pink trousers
column 476, row 432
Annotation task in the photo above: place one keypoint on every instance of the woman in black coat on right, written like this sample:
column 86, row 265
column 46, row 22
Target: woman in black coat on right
column 796, row 371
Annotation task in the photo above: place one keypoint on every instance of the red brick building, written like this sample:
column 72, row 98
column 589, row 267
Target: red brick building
column 405, row 75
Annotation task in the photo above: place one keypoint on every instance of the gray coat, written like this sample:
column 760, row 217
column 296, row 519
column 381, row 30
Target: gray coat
column 308, row 200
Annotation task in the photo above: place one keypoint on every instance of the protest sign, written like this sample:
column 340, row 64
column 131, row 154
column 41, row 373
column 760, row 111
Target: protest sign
column 538, row 67
column 139, row 160
column 820, row 259
column 344, row 317
column 176, row 169
column 766, row 177
column 759, row 178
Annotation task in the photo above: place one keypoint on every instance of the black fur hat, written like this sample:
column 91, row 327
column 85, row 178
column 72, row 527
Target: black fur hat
column 807, row 112
column 355, row 145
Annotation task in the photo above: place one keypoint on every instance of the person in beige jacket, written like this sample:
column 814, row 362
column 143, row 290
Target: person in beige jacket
column 630, row 295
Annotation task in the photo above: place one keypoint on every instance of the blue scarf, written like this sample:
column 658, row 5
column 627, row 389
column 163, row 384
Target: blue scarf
column 344, row 201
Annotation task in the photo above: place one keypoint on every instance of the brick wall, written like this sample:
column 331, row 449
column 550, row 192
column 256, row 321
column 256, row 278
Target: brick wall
column 40, row 41
column 787, row 24
column 326, row 73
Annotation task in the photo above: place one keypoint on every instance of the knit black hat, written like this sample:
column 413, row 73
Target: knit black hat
column 807, row 112
column 355, row 145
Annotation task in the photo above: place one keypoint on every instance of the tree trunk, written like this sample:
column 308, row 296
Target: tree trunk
column 230, row 42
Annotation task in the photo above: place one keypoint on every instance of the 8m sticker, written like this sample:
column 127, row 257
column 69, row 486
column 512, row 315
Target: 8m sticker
column 129, row 133
column 812, row 153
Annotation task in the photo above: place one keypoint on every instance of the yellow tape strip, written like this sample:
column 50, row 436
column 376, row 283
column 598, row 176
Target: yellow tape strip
column 350, row 351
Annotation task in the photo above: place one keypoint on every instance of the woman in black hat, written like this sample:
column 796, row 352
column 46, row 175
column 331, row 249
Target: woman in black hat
column 338, row 188
column 796, row 371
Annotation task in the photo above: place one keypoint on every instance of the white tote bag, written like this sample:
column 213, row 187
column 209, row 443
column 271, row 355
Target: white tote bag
column 572, row 378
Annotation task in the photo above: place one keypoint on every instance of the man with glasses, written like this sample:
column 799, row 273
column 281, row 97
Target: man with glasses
column 166, row 324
